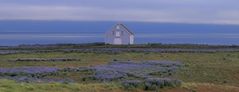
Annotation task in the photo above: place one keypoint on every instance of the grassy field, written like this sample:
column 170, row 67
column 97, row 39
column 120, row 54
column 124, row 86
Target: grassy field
column 202, row 72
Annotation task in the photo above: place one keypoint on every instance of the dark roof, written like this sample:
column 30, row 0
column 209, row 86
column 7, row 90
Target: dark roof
column 126, row 28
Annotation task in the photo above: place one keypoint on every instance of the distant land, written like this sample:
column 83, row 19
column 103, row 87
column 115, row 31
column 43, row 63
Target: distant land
column 17, row 32
column 102, row 26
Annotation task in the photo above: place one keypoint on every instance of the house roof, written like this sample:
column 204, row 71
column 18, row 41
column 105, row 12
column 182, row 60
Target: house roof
column 122, row 25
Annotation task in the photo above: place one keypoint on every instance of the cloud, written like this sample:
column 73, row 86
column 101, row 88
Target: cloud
column 179, row 11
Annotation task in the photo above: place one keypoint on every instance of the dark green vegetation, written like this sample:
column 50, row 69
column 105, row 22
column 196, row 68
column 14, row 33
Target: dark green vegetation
column 219, row 70
column 103, row 45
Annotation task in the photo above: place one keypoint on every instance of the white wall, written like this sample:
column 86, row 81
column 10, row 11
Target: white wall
column 125, row 38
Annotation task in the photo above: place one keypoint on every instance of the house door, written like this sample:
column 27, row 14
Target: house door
column 117, row 41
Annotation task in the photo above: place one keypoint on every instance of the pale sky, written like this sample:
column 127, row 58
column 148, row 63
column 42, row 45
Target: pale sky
column 175, row 11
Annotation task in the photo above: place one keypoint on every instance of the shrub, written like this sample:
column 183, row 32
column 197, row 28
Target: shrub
column 28, row 70
column 132, row 84
column 162, row 82
column 123, row 69
column 151, row 83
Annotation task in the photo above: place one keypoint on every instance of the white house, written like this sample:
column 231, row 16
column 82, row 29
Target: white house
column 119, row 35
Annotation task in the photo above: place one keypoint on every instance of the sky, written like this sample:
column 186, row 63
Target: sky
column 173, row 11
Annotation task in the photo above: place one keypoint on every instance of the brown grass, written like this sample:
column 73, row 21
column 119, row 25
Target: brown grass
column 203, row 87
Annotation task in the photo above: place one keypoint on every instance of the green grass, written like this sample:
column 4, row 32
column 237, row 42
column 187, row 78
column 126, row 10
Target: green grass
column 221, row 68
column 11, row 86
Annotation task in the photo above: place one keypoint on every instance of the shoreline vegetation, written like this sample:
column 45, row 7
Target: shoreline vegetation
column 106, row 48
column 103, row 45
column 98, row 67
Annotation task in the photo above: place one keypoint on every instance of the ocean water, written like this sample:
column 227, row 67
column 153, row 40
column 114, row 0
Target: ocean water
column 51, row 32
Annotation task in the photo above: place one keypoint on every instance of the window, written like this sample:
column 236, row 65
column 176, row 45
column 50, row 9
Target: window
column 117, row 33
column 118, row 27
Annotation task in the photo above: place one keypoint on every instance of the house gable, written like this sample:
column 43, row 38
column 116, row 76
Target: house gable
column 119, row 34
column 122, row 27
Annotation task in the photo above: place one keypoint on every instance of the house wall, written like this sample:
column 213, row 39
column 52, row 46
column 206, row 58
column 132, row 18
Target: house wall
column 132, row 39
column 125, row 36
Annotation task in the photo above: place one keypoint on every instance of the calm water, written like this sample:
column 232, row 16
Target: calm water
column 52, row 38
column 52, row 32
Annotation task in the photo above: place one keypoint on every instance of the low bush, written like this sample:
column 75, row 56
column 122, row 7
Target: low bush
column 132, row 84
column 45, row 60
column 122, row 69
column 151, row 83
column 133, row 74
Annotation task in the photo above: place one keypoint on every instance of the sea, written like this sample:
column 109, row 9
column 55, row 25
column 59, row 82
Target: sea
column 14, row 33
